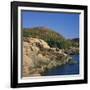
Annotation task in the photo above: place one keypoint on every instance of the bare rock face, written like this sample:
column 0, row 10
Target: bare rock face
column 39, row 57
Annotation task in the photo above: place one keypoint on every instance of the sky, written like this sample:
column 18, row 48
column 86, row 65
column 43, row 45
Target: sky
column 67, row 24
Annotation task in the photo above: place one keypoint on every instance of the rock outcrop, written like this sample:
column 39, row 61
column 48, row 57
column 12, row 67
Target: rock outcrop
column 38, row 57
column 72, row 51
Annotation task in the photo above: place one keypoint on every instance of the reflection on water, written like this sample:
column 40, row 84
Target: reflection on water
column 67, row 69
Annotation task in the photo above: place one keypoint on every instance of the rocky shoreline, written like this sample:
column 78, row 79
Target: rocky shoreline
column 38, row 57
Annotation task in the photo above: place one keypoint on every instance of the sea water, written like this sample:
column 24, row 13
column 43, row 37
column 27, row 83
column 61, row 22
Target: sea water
column 67, row 69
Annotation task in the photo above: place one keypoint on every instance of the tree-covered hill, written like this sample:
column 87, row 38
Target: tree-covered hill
column 53, row 38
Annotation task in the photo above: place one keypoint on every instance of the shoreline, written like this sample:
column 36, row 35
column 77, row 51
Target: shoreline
column 38, row 57
column 71, row 62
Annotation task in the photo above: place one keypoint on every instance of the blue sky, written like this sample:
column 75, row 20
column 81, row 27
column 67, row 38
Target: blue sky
column 66, row 24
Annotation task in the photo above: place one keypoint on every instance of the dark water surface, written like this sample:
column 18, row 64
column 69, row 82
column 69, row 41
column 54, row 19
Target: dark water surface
column 67, row 69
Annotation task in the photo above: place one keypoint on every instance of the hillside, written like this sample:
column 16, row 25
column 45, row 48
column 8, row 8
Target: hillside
column 75, row 39
column 44, row 49
column 53, row 38
column 75, row 42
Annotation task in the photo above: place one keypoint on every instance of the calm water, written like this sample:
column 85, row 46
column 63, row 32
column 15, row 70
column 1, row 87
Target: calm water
column 66, row 69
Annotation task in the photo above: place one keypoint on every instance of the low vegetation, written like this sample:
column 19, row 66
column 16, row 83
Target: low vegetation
column 53, row 38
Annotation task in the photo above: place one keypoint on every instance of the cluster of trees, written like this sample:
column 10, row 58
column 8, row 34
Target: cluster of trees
column 62, row 44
